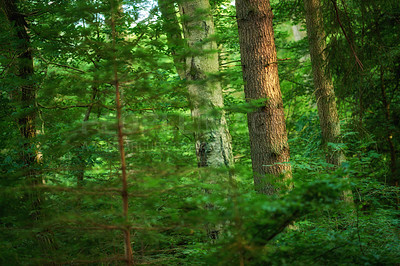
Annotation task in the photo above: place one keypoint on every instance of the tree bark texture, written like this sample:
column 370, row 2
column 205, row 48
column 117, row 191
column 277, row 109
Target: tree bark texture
column 324, row 91
column 213, row 141
column 267, row 128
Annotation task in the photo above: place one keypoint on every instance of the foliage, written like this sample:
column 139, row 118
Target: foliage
column 169, row 197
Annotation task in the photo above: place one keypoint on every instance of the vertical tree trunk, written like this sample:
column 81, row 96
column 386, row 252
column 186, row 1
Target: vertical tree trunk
column 27, row 97
column 267, row 129
column 26, row 94
column 116, row 13
column 213, row 141
column 324, row 91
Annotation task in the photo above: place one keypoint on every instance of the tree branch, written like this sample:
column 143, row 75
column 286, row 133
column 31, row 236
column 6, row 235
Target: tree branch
column 60, row 65
column 345, row 35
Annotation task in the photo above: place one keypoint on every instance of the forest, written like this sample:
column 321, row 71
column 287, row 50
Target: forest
column 199, row 132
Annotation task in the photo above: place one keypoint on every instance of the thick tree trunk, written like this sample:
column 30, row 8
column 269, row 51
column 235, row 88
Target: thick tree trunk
column 324, row 91
column 267, row 129
column 213, row 141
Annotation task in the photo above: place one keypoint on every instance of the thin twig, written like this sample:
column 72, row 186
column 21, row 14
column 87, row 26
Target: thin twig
column 345, row 35
column 60, row 65
column 64, row 107
column 234, row 61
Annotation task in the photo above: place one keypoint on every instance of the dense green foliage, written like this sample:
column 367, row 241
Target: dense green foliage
column 80, row 207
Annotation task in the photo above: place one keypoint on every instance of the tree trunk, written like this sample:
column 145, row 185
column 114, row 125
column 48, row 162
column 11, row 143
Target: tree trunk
column 213, row 141
column 116, row 14
column 324, row 91
column 267, row 128
column 27, row 96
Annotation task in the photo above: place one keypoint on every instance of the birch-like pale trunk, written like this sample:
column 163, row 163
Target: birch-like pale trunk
column 198, row 67
column 213, row 141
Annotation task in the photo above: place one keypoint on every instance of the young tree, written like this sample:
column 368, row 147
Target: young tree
column 324, row 91
column 116, row 14
column 267, row 129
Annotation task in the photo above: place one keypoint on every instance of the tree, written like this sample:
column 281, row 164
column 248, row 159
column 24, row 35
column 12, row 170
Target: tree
column 268, row 139
column 25, row 93
column 364, row 58
column 92, row 59
column 199, row 67
column 213, row 143
column 324, row 91
column 116, row 10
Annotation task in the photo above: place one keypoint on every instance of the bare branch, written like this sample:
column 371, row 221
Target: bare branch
column 345, row 35
column 60, row 65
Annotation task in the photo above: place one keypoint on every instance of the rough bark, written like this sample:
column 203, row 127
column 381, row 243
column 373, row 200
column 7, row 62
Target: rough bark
column 267, row 129
column 324, row 91
column 213, row 141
